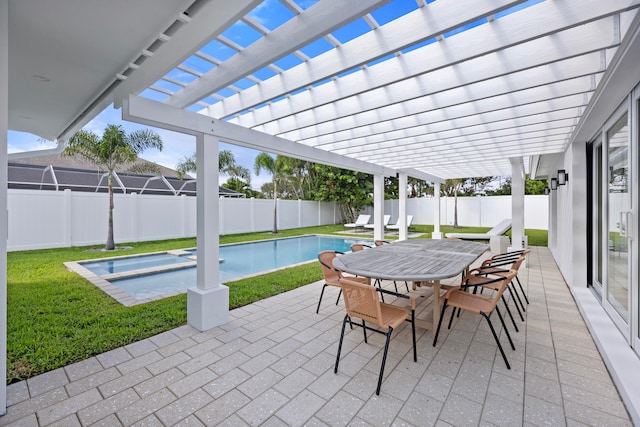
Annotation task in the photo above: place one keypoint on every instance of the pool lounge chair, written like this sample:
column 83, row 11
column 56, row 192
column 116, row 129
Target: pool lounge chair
column 502, row 227
column 385, row 222
column 360, row 222
column 396, row 226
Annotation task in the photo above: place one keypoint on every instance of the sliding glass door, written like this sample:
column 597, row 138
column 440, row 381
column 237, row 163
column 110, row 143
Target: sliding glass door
column 614, row 227
column 618, row 190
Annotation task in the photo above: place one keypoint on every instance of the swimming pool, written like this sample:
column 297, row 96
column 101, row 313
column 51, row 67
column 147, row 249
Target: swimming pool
column 145, row 277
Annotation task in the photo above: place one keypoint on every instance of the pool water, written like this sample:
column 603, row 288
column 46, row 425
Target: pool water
column 121, row 265
column 239, row 260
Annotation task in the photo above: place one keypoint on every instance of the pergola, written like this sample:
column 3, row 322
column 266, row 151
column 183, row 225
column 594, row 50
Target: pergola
column 430, row 89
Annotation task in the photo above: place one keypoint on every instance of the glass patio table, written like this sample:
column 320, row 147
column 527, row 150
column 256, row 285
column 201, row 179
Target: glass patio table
column 424, row 261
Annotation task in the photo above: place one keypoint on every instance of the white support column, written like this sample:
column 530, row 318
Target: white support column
column 437, row 234
column 378, row 207
column 208, row 302
column 403, row 182
column 4, row 128
column 517, row 203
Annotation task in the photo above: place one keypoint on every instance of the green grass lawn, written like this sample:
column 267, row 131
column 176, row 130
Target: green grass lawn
column 56, row 317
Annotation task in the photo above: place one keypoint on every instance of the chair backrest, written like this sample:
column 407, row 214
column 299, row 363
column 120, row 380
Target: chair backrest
column 500, row 228
column 331, row 275
column 379, row 242
column 362, row 302
column 357, row 247
column 499, row 285
column 409, row 220
column 362, row 220
column 386, row 219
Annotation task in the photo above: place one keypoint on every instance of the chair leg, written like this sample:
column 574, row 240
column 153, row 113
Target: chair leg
column 522, row 289
column 453, row 313
column 338, row 299
column 364, row 331
column 509, row 313
column 344, row 324
column 495, row 336
column 506, row 331
column 516, row 302
column 320, row 300
column 396, row 285
column 379, row 283
column 406, row 285
column 384, row 359
column 413, row 333
column 444, row 308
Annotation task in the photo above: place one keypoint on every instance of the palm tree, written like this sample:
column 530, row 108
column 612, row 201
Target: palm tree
column 226, row 166
column 276, row 167
column 114, row 149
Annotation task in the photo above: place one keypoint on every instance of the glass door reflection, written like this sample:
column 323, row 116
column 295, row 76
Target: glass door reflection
column 619, row 205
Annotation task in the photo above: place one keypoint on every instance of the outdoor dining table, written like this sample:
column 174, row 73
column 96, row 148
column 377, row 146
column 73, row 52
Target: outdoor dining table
column 424, row 261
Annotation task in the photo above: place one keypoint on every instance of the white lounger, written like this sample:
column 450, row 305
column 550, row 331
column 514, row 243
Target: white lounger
column 385, row 222
column 360, row 222
column 501, row 228
column 396, row 226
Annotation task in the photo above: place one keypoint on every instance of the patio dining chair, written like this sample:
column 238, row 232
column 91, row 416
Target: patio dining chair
column 501, row 264
column 332, row 276
column 362, row 302
column 479, row 304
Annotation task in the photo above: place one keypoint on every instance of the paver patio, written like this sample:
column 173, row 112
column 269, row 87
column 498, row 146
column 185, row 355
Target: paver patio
column 272, row 364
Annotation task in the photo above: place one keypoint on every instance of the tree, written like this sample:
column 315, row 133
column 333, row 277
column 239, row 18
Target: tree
column 114, row 149
column 276, row 168
column 451, row 187
column 353, row 190
column 226, row 166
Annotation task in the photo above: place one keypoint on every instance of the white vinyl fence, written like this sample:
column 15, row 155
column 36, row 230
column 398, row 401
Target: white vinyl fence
column 474, row 211
column 52, row 219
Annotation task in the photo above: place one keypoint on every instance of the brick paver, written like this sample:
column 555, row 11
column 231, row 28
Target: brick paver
column 272, row 364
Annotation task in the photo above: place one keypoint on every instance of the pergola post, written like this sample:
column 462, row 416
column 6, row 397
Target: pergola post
column 437, row 234
column 208, row 302
column 403, row 181
column 378, row 207
column 517, row 203
column 4, row 128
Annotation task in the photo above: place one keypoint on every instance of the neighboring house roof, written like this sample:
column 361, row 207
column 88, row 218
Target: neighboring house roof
column 56, row 172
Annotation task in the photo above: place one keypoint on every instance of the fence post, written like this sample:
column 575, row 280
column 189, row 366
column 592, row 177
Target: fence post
column 68, row 219
column 183, row 215
column 134, row 216
column 252, row 209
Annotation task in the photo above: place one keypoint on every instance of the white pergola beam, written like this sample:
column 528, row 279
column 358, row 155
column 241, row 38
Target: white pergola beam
column 436, row 19
column 4, row 127
column 342, row 128
column 154, row 113
column 322, row 18
column 421, row 175
column 210, row 20
column 510, row 31
column 453, row 120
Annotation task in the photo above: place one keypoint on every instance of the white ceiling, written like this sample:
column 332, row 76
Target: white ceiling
column 419, row 87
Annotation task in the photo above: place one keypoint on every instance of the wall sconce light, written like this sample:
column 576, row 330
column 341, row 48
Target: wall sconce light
column 554, row 184
column 546, row 191
column 563, row 177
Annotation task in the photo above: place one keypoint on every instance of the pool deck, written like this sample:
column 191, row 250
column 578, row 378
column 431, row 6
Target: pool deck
column 272, row 365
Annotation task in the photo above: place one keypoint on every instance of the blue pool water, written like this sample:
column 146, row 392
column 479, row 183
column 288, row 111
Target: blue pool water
column 239, row 260
column 121, row 265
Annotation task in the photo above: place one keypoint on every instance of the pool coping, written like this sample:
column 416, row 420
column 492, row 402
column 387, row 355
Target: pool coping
column 128, row 300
